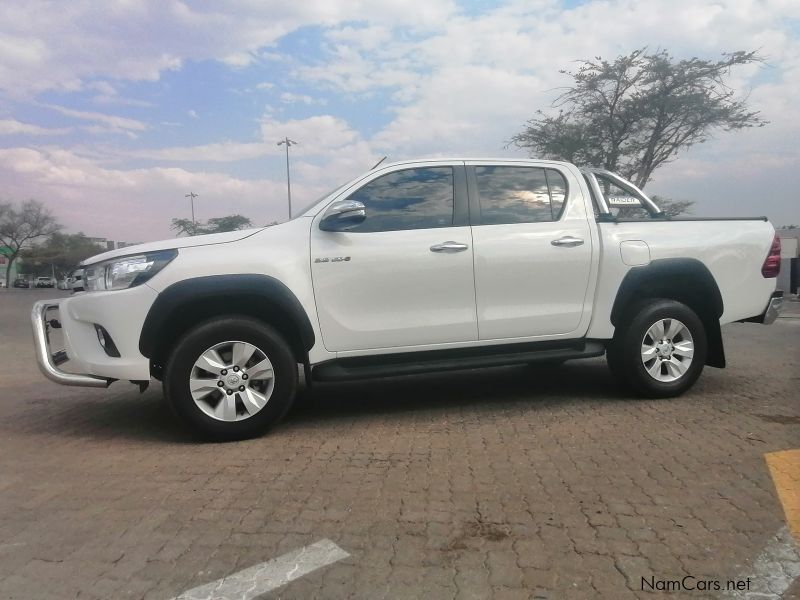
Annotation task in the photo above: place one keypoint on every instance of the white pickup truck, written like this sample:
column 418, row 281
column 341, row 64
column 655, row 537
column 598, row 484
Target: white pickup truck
column 417, row 266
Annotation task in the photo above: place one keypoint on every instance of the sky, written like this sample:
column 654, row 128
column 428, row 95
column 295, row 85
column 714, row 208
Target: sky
column 110, row 112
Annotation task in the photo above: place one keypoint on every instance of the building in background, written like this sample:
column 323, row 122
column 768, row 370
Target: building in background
column 110, row 244
column 789, row 277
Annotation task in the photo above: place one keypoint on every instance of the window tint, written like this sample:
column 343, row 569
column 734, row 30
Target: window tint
column 520, row 194
column 410, row 199
column 558, row 192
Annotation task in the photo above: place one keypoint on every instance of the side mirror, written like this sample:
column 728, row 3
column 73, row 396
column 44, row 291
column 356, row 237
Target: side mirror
column 343, row 215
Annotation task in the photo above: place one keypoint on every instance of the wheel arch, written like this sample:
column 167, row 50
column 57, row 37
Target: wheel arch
column 685, row 280
column 187, row 303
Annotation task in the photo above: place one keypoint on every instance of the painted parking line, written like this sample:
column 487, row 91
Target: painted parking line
column 784, row 467
column 778, row 564
column 264, row 577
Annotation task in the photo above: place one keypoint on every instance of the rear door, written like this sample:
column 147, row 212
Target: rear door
column 403, row 277
column 532, row 248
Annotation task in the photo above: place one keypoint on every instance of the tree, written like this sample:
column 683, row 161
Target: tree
column 60, row 252
column 229, row 223
column 186, row 227
column 673, row 208
column 634, row 114
column 215, row 225
column 19, row 227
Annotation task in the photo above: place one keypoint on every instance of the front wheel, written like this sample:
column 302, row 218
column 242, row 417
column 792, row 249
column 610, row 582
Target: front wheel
column 660, row 351
column 231, row 378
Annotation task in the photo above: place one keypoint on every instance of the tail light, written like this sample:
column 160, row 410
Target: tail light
column 772, row 264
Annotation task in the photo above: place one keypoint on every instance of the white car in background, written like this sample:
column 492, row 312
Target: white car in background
column 44, row 282
column 412, row 267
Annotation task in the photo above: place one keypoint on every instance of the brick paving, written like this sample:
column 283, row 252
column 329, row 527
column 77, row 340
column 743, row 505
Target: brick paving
column 506, row 483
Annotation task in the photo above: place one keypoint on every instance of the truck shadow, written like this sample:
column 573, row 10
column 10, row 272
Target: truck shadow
column 528, row 387
column 129, row 415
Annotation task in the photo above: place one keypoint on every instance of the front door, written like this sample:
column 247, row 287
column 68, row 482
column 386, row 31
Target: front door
column 403, row 277
column 533, row 251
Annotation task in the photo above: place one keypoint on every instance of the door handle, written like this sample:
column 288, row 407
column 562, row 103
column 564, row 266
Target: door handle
column 449, row 247
column 567, row 241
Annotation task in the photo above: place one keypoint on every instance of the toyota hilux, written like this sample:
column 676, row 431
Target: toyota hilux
column 412, row 267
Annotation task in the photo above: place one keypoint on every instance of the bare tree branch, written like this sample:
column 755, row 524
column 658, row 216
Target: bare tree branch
column 20, row 226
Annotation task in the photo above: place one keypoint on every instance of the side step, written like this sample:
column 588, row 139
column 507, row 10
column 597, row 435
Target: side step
column 412, row 363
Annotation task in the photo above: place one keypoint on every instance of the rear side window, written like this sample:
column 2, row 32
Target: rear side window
column 420, row 198
column 520, row 194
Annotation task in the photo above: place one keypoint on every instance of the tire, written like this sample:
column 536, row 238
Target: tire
column 209, row 409
column 653, row 366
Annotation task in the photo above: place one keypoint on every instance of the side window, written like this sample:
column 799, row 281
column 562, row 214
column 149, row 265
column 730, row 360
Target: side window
column 520, row 194
column 411, row 199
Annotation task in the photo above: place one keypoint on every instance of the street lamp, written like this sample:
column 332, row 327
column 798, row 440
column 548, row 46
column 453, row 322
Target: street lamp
column 288, row 143
column 192, row 195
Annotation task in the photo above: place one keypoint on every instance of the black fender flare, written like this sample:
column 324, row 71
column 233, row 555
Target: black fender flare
column 684, row 279
column 684, row 276
column 262, row 290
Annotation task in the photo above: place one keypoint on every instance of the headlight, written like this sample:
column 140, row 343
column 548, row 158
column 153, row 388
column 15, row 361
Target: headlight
column 125, row 272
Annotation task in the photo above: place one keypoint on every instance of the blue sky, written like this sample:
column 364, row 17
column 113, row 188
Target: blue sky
column 112, row 111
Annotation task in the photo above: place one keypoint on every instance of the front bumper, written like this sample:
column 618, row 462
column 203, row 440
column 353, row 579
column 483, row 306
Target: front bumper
column 44, row 355
column 120, row 314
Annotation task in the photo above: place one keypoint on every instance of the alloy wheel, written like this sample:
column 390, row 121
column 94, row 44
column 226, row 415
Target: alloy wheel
column 232, row 381
column 667, row 350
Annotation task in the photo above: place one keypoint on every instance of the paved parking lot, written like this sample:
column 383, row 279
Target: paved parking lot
column 506, row 483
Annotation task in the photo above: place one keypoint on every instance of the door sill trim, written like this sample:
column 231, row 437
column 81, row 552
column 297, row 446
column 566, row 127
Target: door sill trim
column 413, row 363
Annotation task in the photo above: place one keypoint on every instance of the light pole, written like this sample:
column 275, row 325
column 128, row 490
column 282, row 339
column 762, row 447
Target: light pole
column 192, row 195
column 288, row 143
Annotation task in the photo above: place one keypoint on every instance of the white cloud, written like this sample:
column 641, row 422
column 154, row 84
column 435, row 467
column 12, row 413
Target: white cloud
column 136, row 204
column 290, row 98
column 104, row 123
column 227, row 151
column 14, row 127
column 108, row 94
column 316, row 135
column 61, row 47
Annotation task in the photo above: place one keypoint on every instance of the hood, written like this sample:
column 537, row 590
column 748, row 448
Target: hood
column 185, row 242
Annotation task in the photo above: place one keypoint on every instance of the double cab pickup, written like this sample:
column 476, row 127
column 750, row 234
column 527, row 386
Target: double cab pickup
column 411, row 267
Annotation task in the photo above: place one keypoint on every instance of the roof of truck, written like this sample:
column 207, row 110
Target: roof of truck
column 488, row 159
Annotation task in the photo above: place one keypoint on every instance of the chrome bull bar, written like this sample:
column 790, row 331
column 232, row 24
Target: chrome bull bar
column 48, row 362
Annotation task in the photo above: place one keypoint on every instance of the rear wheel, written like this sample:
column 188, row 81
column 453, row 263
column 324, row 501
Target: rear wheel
column 231, row 378
column 660, row 351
